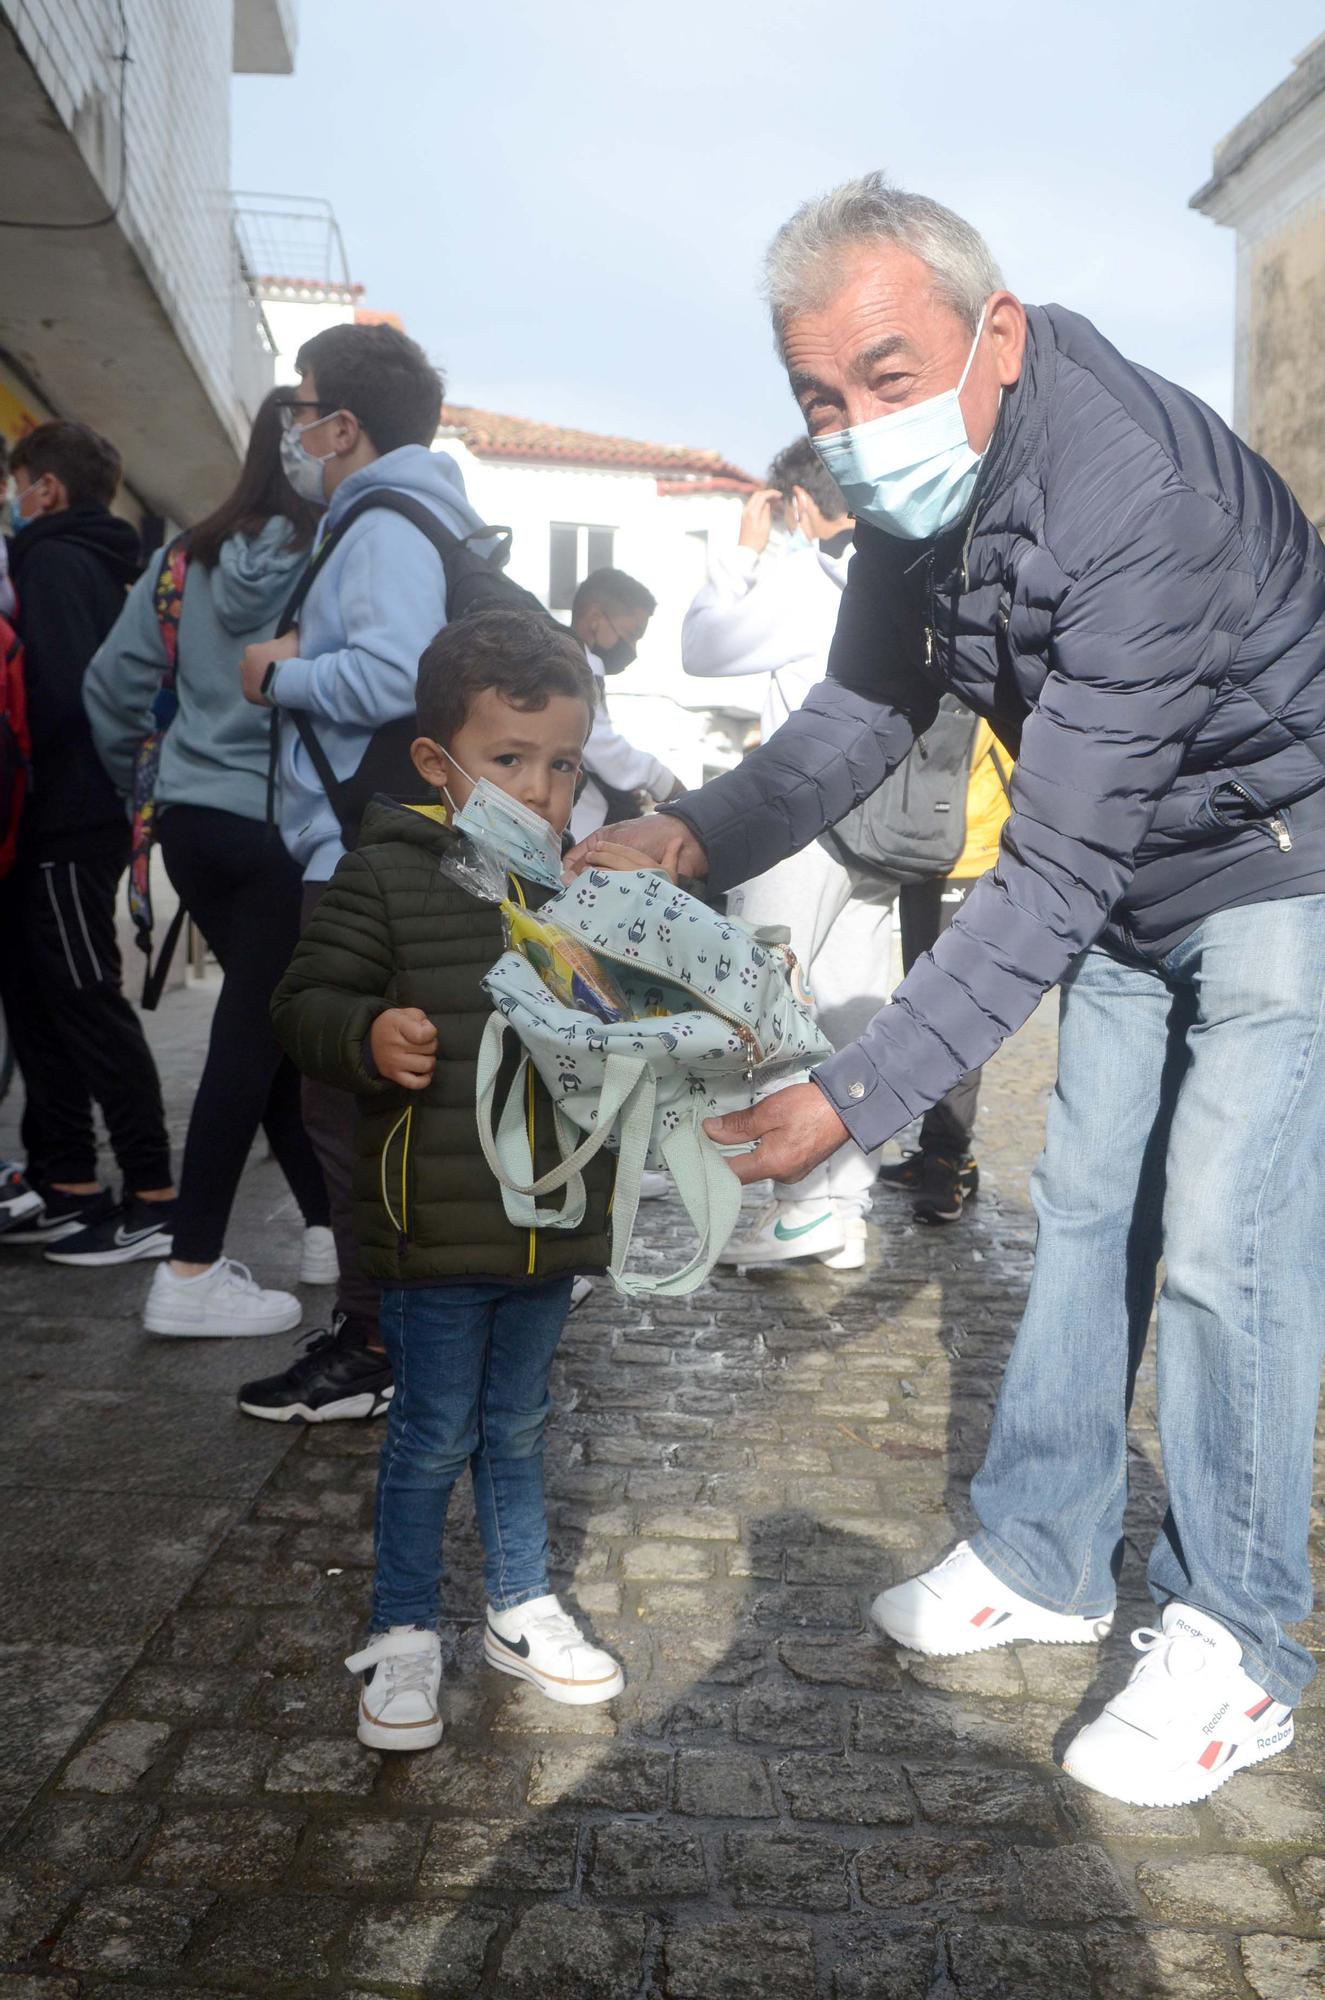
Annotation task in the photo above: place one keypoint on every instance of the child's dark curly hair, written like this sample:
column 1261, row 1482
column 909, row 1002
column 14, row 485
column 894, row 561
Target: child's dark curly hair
column 523, row 655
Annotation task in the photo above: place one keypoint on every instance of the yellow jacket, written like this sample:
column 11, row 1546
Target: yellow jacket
column 987, row 805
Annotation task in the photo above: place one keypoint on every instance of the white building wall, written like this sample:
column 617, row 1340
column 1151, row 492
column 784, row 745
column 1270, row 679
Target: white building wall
column 176, row 208
column 661, row 540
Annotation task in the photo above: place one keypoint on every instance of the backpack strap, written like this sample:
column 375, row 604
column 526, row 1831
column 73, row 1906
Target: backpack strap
column 1004, row 777
column 709, row 1190
column 453, row 550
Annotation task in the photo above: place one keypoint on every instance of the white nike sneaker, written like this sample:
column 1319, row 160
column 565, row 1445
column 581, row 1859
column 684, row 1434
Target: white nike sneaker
column 221, row 1303
column 851, row 1257
column 960, row 1606
column 786, row 1229
column 538, row 1642
column 399, row 1703
column 1186, row 1721
column 318, row 1262
column 653, row 1185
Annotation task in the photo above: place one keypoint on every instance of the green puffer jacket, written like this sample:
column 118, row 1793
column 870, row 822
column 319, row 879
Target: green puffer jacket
column 392, row 931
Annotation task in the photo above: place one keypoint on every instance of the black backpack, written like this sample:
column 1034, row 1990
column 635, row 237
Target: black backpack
column 914, row 826
column 474, row 582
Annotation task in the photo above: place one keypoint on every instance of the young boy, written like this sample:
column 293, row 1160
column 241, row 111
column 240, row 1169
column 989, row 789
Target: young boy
column 383, row 998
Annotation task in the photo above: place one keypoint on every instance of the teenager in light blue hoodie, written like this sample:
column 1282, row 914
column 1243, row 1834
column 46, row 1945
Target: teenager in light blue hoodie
column 363, row 416
column 231, row 871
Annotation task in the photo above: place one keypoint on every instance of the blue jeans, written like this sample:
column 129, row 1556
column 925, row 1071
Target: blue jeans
column 471, row 1365
column 1188, row 1123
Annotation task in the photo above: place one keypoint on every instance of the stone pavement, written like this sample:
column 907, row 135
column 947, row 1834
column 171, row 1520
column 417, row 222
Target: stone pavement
column 779, row 1807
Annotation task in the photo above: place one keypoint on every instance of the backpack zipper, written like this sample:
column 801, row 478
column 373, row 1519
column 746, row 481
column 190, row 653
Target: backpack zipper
column 742, row 1028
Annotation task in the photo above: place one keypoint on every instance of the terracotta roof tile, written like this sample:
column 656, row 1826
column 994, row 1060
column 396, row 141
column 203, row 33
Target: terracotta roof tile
column 490, row 435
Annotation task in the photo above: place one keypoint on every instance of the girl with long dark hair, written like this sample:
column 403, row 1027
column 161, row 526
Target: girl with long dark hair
column 231, row 871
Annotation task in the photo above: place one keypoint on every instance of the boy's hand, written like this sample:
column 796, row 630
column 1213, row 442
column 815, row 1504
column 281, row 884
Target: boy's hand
column 404, row 1046
column 256, row 659
column 613, row 854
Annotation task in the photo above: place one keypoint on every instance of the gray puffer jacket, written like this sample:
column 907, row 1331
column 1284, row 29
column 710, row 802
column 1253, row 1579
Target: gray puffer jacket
column 1137, row 604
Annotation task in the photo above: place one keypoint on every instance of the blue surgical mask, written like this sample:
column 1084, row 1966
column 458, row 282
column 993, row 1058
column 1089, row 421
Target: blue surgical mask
column 518, row 837
column 913, row 472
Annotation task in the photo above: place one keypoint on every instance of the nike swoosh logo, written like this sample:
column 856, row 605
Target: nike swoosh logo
column 785, row 1235
column 522, row 1650
column 124, row 1237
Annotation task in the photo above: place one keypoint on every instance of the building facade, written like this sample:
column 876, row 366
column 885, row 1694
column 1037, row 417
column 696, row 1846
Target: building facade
column 126, row 301
column 577, row 501
column 1268, row 185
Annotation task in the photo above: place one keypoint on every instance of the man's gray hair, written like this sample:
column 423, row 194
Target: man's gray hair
column 803, row 269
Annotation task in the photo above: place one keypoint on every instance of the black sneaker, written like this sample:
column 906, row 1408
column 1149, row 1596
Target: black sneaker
column 19, row 1200
column 60, row 1217
column 945, row 1188
column 338, row 1375
column 907, row 1175
column 132, row 1231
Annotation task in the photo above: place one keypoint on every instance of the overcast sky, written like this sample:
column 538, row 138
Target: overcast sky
column 567, row 200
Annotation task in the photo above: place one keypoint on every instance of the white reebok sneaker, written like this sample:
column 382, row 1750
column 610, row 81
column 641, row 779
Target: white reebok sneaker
column 785, row 1229
column 318, row 1262
column 960, row 1606
column 851, row 1257
column 402, row 1684
column 223, row 1303
column 538, row 1642
column 1186, row 1721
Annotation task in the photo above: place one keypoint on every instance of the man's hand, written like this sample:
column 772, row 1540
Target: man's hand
column 796, row 1128
column 608, row 855
column 256, row 660
column 404, row 1046
column 757, row 520
column 660, row 841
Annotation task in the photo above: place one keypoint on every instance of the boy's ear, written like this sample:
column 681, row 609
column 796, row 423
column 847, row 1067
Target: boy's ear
column 431, row 762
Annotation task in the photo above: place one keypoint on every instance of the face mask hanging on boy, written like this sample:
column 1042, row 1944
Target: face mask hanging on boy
column 519, row 838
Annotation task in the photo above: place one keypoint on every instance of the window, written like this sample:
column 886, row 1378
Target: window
column 574, row 551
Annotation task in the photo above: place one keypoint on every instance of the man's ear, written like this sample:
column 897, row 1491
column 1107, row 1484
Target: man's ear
column 431, row 762
column 1005, row 319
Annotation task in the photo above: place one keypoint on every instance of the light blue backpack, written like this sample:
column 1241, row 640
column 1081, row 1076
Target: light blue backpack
column 719, row 1022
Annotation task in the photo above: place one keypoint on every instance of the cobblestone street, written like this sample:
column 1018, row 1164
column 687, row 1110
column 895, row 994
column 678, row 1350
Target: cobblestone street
column 781, row 1806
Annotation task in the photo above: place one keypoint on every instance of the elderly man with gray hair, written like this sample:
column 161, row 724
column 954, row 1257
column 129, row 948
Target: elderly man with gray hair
column 1089, row 558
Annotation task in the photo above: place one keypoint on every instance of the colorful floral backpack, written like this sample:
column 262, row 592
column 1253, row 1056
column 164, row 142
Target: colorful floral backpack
column 714, row 1020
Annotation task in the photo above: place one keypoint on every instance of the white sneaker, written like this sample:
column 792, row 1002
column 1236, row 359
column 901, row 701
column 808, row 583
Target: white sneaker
column 960, row 1606
column 318, row 1262
column 851, row 1257
column 788, row 1229
column 538, row 1642
column 402, row 1684
column 653, row 1186
column 580, row 1290
column 1186, row 1721
column 221, row 1303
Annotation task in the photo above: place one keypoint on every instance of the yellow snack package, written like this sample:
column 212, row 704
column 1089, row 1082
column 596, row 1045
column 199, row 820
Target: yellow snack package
column 565, row 964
